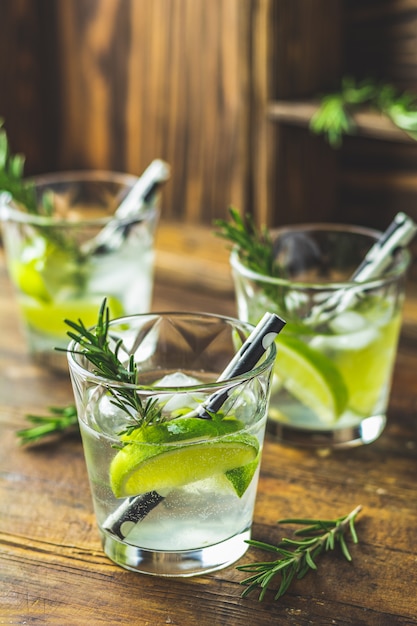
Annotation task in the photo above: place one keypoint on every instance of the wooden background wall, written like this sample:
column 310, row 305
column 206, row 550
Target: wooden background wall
column 115, row 83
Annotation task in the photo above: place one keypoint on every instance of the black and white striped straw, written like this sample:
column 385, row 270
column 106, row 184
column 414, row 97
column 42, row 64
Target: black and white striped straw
column 129, row 211
column 380, row 256
column 134, row 510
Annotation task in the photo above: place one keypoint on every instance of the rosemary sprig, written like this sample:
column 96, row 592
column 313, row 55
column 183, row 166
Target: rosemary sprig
column 254, row 245
column 11, row 175
column 297, row 556
column 334, row 117
column 23, row 194
column 255, row 248
column 60, row 419
column 95, row 346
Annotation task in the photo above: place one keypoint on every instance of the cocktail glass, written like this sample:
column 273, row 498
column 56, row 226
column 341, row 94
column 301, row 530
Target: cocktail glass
column 174, row 492
column 336, row 355
column 56, row 269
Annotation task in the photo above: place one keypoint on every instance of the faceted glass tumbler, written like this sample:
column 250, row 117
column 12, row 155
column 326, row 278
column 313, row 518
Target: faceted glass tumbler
column 336, row 354
column 174, row 485
column 59, row 269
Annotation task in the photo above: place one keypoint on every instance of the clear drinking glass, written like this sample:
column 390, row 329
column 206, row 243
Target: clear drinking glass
column 175, row 496
column 336, row 355
column 57, row 266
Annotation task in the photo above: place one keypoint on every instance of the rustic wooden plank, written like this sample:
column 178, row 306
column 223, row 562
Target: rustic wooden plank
column 380, row 40
column 164, row 79
column 367, row 123
column 47, row 524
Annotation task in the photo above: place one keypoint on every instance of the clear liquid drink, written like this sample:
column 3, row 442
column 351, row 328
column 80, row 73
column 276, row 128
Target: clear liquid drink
column 174, row 496
column 56, row 271
column 336, row 355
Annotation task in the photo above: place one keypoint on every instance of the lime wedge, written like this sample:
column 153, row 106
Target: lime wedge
column 311, row 377
column 241, row 477
column 176, row 453
column 28, row 279
column 48, row 317
column 367, row 369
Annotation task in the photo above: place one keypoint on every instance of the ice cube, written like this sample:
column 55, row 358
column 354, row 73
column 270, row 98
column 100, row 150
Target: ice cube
column 173, row 402
column 349, row 341
column 348, row 322
column 177, row 379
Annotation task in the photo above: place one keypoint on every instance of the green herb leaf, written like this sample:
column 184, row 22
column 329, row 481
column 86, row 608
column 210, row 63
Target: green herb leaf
column 254, row 245
column 95, row 346
column 11, row 175
column 334, row 117
column 60, row 419
column 298, row 556
column 23, row 194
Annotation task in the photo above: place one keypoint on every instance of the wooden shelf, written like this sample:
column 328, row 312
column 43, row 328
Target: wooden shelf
column 368, row 123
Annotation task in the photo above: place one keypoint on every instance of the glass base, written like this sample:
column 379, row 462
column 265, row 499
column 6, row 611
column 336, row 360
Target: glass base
column 176, row 563
column 367, row 431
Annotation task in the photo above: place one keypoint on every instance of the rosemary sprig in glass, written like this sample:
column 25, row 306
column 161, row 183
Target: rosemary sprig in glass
column 23, row 194
column 256, row 251
column 11, row 175
column 297, row 556
column 95, row 346
column 254, row 245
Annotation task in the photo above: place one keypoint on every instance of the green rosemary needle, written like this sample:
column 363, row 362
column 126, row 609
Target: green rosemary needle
column 11, row 175
column 254, row 245
column 95, row 346
column 334, row 117
column 60, row 419
column 297, row 556
column 23, row 193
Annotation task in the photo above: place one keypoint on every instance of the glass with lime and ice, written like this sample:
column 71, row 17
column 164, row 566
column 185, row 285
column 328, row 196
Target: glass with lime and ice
column 172, row 440
column 66, row 252
column 336, row 354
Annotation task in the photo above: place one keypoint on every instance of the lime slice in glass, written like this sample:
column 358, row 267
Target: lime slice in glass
column 367, row 369
column 241, row 477
column 48, row 317
column 311, row 378
column 179, row 457
column 29, row 279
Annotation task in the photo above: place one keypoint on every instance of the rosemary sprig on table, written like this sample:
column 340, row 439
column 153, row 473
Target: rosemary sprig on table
column 60, row 419
column 95, row 346
column 297, row 556
column 334, row 117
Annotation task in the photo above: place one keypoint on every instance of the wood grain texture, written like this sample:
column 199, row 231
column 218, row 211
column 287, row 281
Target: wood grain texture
column 115, row 83
column 168, row 79
column 52, row 568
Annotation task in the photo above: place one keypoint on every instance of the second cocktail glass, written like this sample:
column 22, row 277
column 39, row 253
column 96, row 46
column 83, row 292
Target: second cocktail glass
column 58, row 265
column 336, row 355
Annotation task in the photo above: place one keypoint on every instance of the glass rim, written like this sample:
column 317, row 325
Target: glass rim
column 374, row 234
column 11, row 211
column 267, row 360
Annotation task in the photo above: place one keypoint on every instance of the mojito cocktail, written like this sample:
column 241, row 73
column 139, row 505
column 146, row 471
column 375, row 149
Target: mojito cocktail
column 57, row 270
column 174, row 486
column 336, row 354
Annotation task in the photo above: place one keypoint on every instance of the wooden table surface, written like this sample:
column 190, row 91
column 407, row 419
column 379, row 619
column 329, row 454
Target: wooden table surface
column 52, row 568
